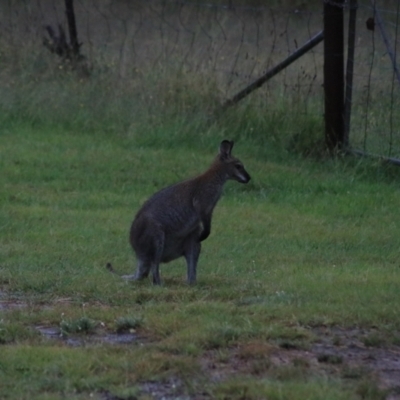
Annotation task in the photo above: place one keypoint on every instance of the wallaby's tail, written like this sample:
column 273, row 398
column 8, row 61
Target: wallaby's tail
column 125, row 277
column 110, row 268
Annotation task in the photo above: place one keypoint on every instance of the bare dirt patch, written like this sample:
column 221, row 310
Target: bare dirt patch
column 348, row 353
column 88, row 339
column 8, row 302
column 378, row 359
column 12, row 301
column 334, row 352
column 170, row 389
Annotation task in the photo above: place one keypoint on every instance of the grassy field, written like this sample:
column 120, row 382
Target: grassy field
column 298, row 284
column 301, row 268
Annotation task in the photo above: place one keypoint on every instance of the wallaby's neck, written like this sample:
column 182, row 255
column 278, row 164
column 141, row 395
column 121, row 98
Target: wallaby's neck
column 215, row 176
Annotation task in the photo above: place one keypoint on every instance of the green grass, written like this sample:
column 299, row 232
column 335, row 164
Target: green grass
column 304, row 244
column 311, row 243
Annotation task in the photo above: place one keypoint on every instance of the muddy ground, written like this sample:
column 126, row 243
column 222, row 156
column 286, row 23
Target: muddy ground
column 350, row 353
column 334, row 351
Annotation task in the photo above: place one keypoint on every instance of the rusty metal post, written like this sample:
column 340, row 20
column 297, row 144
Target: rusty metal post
column 350, row 70
column 334, row 73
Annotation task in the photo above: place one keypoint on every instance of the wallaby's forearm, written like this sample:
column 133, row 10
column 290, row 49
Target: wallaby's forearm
column 205, row 233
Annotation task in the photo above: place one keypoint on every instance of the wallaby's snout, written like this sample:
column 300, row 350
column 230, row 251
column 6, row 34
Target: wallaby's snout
column 242, row 176
column 174, row 221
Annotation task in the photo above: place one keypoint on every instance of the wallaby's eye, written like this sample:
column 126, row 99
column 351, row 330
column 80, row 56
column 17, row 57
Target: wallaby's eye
column 239, row 166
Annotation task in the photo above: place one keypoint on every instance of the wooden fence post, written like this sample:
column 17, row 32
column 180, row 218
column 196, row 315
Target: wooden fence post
column 73, row 35
column 334, row 73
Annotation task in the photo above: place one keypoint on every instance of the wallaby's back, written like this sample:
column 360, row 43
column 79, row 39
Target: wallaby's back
column 174, row 221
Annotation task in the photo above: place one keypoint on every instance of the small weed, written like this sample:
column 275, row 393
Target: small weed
column 330, row 359
column 367, row 389
column 356, row 372
column 222, row 356
column 128, row 324
column 289, row 372
column 6, row 336
column 298, row 336
column 260, row 366
column 220, row 337
column 395, row 339
column 82, row 325
column 374, row 340
column 4, row 280
column 289, row 344
column 301, row 362
column 13, row 332
column 191, row 349
column 336, row 341
column 255, row 350
column 239, row 388
column 129, row 393
column 307, row 141
column 279, row 297
column 159, row 364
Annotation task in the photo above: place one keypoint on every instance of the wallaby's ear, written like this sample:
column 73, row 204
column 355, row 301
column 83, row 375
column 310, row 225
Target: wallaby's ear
column 225, row 149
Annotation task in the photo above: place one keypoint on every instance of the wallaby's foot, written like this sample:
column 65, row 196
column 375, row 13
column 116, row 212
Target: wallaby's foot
column 191, row 277
column 125, row 277
column 156, row 278
column 130, row 277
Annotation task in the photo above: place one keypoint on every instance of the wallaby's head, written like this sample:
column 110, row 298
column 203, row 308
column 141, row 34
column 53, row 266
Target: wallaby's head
column 231, row 165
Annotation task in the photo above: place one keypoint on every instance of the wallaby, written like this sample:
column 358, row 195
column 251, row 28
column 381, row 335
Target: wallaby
column 174, row 221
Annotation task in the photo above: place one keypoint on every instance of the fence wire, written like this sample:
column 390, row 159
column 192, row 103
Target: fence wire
column 376, row 96
column 233, row 44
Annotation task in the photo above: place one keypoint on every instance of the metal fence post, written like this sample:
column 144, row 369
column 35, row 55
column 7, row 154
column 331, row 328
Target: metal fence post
column 334, row 73
column 350, row 69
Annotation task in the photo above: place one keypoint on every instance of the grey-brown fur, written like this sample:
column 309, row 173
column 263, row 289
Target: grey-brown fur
column 174, row 221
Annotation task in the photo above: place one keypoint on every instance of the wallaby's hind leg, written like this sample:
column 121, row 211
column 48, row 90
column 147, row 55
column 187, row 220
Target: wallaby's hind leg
column 142, row 271
column 192, row 253
column 155, row 267
column 129, row 277
column 147, row 240
column 156, row 256
column 156, row 274
column 133, row 277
